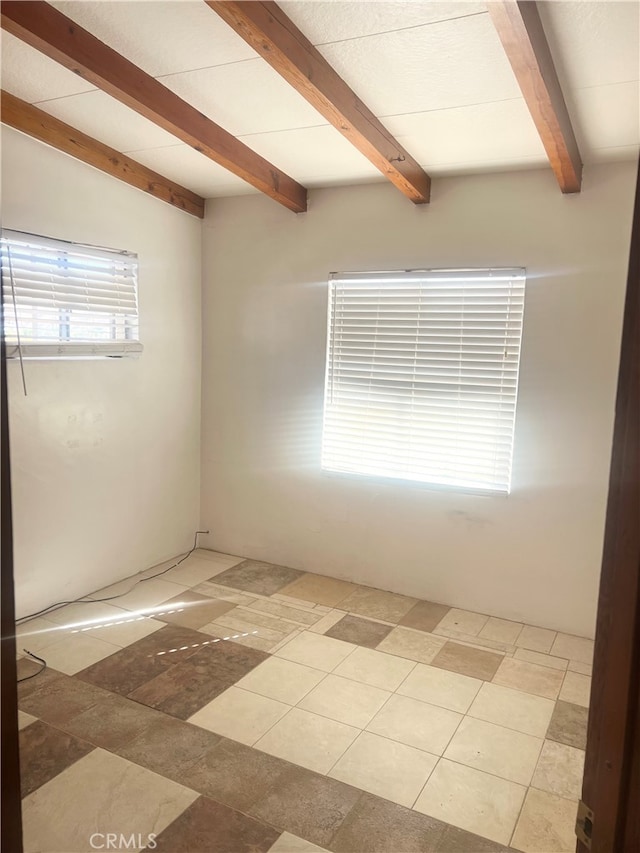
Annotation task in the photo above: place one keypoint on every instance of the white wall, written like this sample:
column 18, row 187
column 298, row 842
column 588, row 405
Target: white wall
column 105, row 454
column 533, row 556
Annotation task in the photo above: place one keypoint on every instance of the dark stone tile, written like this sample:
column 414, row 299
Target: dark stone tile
column 307, row 804
column 35, row 677
column 458, row 841
column 168, row 747
column 362, row 632
column 375, row 825
column 45, row 752
column 425, row 616
column 185, row 688
column 199, row 610
column 210, row 827
column 569, row 724
column 143, row 660
column 261, row 578
column 235, row 774
column 112, row 723
column 468, row 661
column 59, row 698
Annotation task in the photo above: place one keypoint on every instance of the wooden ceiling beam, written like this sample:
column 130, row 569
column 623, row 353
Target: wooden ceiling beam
column 522, row 35
column 44, row 127
column 58, row 37
column 265, row 27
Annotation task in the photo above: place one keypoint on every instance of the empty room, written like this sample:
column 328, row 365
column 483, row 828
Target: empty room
column 320, row 422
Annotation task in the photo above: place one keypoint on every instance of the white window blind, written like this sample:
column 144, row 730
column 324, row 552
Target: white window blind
column 67, row 300
column 422, row 375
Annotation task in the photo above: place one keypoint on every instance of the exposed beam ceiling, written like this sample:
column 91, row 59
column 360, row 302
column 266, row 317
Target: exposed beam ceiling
column 58, row 37
column 520, row 30
column 275, row 37
column 34, row 122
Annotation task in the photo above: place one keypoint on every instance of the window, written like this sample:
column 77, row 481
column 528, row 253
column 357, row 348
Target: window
column 422, row 376
column 67, row 300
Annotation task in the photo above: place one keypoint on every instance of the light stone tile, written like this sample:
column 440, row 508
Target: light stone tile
column 582, row 668
column 475, row 642
column 308, row 740
column 37, row 634
column 316, row 650
column 322, row 608
column 495, row 749
column 85, row 613
column 319, row 589
column 384, row 767
column 413, row 645
column 122, row 632
column 441, row 687
column 294, row 602
column 416, row 724
column 243, row 638
column 501, row 630
column 464, row 621
column 472, row 800
column 513, row 709
column 560, row 770
column 25, row 720
column 226, row 560
column 282, row 680
column 100, row 793
column 529, row 677
column 378, row 669
column 149, row 594
column 542, row 660
column 536, row 639
column 264, row 620
column 288, row 843
column 255, row 642
column 76, row 652
column 239, row 715
column 576, row 688
column 573, row 648
column 196, row 570
column 224, row 593
column 237, row 624
column 298, row 615
column 546, row 824
column 345, row 701
column 327, row 621
column 294, row 633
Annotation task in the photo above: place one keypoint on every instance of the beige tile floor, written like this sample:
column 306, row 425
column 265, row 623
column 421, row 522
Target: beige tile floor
column 470, row 719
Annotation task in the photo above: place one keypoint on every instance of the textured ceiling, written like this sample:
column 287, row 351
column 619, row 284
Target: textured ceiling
column 435, row 73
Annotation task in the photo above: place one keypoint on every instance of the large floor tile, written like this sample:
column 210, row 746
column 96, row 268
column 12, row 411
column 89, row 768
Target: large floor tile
column 75, row 652
column 376, row 668
column 234, row 774
column 375, row 825
column 319, row 589
column 536, row 639
column 316, row 651
column 300, row 616
column 503, row 752
column 193, row 609
column 37, row 634
column 501, row 630
column 100, row 793
column 259, row 578
column 308, row 740
column 513, row 709
column 345, row 700
column 281, row 679
column 546, row 824
column 541, row 659
column 456, row 840
column 560, row 770
column 576, row 689
column 384, row 767
column 573, row 648
column 464, row 621
column 360, row 632
column 169, row 747
column 411, row 644
column 416, row 724
column 377, row 604
column 441, row 687
column 46, row 751
column 425, row 616
column 210, row 827
column 123, row 632
column 569, row 724
column 85, row 614
column 198, row 568
column 472, row 800
column 240, row 715
column 529, row 677
column 288, row 843
column 57, row 698
column 148, row 594
column 307, row 805
column 112, row 723
column 467, row 660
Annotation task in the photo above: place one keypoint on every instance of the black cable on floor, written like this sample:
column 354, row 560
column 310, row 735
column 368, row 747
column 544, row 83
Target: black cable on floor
column 39, row 672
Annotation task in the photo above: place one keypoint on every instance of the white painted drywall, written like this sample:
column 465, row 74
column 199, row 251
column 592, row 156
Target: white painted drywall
column 533, row 556
column 104, row 454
